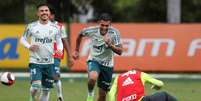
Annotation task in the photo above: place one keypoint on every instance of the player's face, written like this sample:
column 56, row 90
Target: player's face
column 104, row 25
column 43, row 13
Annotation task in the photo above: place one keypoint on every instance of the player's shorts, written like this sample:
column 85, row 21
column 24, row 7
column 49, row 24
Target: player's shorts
column 57, row 66
column 42, row 72
column 159, row 96
column 105, row 74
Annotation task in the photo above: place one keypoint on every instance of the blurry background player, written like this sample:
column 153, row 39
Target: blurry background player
column 43, row 34
column 105, row 41
column 57, row 57
column 129, row 86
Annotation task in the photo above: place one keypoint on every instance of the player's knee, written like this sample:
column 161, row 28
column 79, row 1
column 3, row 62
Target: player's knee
column 56, row 77
column 35, row 87
column 93, row 75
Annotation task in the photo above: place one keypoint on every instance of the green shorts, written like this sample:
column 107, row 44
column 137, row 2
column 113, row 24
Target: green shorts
column 104, row 74
column 42, row 72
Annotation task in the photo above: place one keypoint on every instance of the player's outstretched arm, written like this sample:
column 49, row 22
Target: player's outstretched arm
column 59, row 43
column 118, row 49
column 156, row 84
column 78, row 42
column 67, row 48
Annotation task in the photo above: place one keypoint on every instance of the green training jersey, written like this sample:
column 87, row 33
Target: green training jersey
column 44, row 36
column 99, row 51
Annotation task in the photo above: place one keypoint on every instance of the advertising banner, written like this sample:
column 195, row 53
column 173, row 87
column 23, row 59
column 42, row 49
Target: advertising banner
column 12, row 53
column 151, row 47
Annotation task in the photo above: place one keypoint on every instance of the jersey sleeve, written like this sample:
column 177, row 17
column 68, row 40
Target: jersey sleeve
column 59, row 41
column 113, row 91
column 26, row 34
column 63, row 32
column 146, row 78
column 86, row 32
column 27, row 31
column 116, row 38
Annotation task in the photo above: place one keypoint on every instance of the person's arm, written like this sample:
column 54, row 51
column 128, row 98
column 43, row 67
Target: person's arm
column 113, row 91
column 66, row 46
column 146, row 78
column 114, row 43
column 23, row 39
column 59, row 43
column 118, row 49
column 78, row 41
column 25, row 43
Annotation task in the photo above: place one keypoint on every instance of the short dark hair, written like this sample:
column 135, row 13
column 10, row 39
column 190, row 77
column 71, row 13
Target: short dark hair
column 42, row 4
column 52, row 10
column 105, row 17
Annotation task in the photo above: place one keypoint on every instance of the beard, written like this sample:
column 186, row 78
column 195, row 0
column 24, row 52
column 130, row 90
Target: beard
column 44, row 17
column 103, row 31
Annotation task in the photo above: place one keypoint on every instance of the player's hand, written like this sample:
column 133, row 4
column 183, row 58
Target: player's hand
column 76, row 55
column 70, row 62
column 155, row 87
column 34, row 48
column 107, row 40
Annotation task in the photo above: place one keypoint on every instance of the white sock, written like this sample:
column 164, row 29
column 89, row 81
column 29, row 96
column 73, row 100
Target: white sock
column 45, row 95
column 91, row 93
column 58, row 87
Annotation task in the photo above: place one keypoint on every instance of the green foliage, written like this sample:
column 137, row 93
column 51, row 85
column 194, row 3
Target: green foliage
column 191, row 10
column 8, row 2
column 121, row 10
column 140, row 11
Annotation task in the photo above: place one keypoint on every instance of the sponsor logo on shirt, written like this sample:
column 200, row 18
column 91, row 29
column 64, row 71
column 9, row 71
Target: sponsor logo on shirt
column 43, row 40
column 128, row 81
column 130, row 98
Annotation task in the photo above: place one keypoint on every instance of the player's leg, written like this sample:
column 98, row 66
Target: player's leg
column 47, row 81
column 104, row 82
column 159, row 96
column 169, row 97
column 93, row 72
column 36, row 76
column 58, row 84
column 45, row 94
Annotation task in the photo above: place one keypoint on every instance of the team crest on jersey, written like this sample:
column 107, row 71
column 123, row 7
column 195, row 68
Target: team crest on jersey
column 128, row 81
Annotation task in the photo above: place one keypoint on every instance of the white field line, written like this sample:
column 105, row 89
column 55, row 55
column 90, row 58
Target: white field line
column 84, row 75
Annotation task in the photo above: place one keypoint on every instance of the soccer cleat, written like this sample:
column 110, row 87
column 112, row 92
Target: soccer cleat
column 90, row 98
column 60, row 99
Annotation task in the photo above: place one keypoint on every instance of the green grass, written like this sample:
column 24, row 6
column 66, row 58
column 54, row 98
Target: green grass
column 76, row 90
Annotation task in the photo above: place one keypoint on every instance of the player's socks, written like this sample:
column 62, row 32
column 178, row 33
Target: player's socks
column 91, row 93
column 45, row 94
column 58, row 87
column 34, row 91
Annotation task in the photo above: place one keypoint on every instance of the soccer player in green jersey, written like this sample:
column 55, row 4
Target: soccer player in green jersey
column 42, row 33
column 105, row 41
column 129, row 86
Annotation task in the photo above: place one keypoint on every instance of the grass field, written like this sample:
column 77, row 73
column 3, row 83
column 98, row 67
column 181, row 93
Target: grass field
column 76, row 90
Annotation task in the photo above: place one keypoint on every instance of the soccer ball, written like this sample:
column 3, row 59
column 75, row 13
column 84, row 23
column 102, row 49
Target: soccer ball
column 7, row 78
